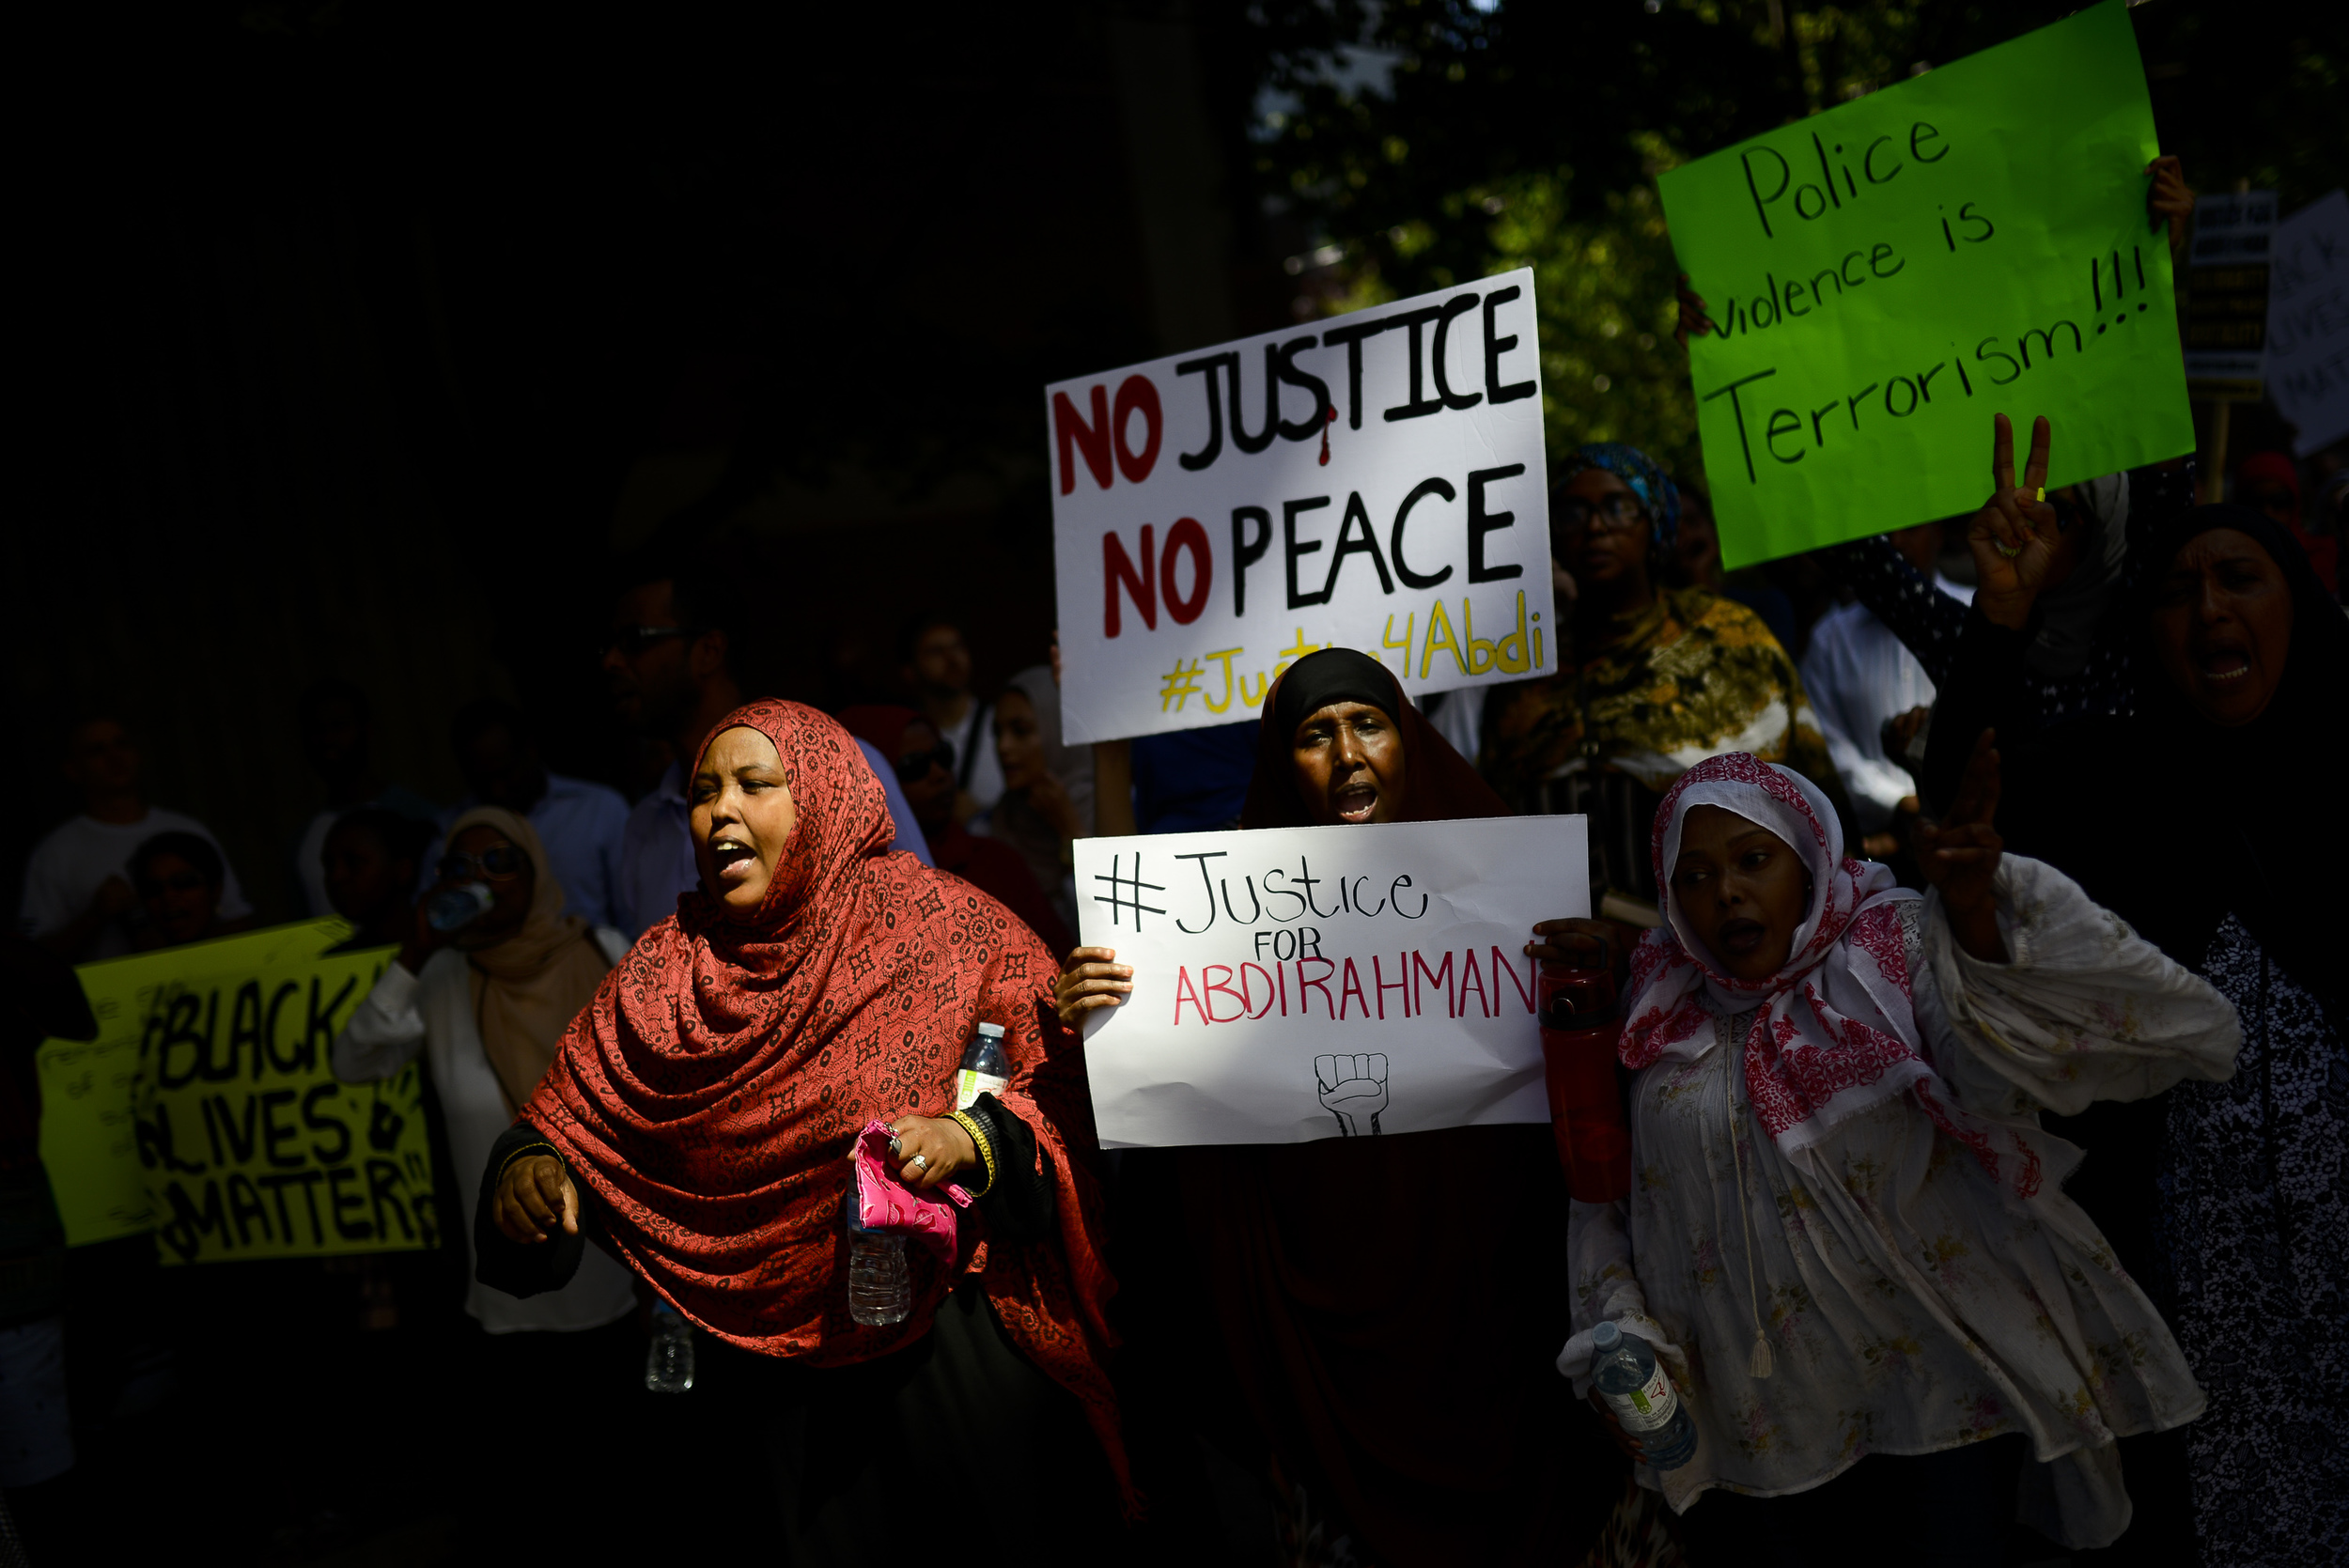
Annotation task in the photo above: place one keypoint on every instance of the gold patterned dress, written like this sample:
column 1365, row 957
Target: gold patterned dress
column 1692, row 675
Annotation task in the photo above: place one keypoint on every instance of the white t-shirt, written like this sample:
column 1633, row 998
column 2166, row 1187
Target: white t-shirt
column 976, row 766
column 433, row 1013
column 69, row 866
column 1858, row 674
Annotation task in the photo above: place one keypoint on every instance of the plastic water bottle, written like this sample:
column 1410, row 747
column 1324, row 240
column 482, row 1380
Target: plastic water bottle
column 669, row 1360
column 880, row 1292
column 984, row 1069
column 453, row 908
column 1627, row 1374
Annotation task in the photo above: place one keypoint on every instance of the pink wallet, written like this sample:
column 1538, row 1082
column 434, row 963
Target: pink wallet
column 885, row 1203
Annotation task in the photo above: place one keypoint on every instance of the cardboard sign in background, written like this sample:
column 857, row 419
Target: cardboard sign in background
column 1374, row 481
column 2307, row 323
column 1303, row 983
column 208, row 1112
column 2227, row 294
column 1887, row 275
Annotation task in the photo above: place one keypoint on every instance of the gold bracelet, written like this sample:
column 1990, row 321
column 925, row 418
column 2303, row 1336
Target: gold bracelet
column 969, row 1124
column 547, row 1149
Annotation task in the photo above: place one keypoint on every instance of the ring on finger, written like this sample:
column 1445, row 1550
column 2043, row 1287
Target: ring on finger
column 2010, row 554
column 923, row 1161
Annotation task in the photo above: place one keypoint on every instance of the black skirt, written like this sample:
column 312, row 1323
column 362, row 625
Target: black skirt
column 957, row 1448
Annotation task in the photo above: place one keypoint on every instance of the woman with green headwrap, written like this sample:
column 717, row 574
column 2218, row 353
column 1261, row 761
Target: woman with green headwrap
column 1655, row 681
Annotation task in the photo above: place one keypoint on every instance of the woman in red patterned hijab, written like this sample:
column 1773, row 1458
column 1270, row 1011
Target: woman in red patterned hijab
column 699, row 1113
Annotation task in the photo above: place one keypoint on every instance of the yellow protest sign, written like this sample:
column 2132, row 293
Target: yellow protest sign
column 207, row 1109
column 89, row 1137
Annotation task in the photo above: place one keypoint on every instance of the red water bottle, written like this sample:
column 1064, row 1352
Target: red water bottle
column 1579, row 1028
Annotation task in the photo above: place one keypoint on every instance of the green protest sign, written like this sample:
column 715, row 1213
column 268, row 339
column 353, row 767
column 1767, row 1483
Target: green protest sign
column 208, row 1112
column 1886, row 275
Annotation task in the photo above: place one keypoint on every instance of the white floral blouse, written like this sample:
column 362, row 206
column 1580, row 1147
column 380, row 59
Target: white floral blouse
column 1910, row 1303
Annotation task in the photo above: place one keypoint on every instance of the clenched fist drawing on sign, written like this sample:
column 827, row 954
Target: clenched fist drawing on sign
column 1354, row 1089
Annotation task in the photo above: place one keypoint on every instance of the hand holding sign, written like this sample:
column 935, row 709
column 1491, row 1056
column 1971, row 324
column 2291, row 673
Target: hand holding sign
column 1575, row 945
column 1354, row 1089
column 1693, row 320
column 1091, row 978
column 2168, row 201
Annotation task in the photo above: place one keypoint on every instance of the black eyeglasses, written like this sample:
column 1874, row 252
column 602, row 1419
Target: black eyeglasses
column 500, row 862
column 917, row 764
column 183, row 881
column 1622, row 514
column 630, row 640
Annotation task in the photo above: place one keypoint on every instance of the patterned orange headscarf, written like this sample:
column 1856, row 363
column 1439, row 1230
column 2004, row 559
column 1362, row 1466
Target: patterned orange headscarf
column 709, row 1094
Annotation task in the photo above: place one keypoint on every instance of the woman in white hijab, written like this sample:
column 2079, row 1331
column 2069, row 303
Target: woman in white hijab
column 485, row 1005
column 1847, row 1238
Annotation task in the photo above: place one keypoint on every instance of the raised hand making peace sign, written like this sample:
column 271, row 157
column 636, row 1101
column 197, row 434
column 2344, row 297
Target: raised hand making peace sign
column 2022, row 543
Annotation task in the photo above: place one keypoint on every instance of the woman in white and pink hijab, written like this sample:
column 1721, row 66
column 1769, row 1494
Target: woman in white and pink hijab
column 1847, row 1238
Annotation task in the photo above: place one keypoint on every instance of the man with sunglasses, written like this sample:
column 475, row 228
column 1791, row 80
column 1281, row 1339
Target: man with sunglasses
column 669, row 659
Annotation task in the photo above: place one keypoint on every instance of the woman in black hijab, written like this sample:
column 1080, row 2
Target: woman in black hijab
column 1390, row 1307
column 2189, row 817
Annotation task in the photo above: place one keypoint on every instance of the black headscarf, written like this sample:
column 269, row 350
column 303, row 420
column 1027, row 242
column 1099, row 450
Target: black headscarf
column 1332, row 676
column 2304, row 718
column 2243, row 795
column 1443, row 785
column 2174, row 823
column 1353, row 1281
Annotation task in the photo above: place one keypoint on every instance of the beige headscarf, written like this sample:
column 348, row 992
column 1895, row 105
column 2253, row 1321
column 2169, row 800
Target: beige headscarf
column 528, row 987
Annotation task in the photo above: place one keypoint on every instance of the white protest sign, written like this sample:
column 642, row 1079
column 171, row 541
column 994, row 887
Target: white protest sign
column 1300, row 982
column 1375, row 482
column 2308, row 322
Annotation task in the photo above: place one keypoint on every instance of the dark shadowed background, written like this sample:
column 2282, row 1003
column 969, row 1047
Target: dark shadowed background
column 362, row 336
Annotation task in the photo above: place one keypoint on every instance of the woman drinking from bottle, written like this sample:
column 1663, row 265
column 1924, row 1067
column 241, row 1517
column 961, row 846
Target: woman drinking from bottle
column 1847, row 1238
column 483, row 996
column 1387, row 1307
column 697, row 1121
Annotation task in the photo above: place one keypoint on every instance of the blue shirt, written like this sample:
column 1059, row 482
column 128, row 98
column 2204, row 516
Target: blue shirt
column 657, row 848
column 1194, row 780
